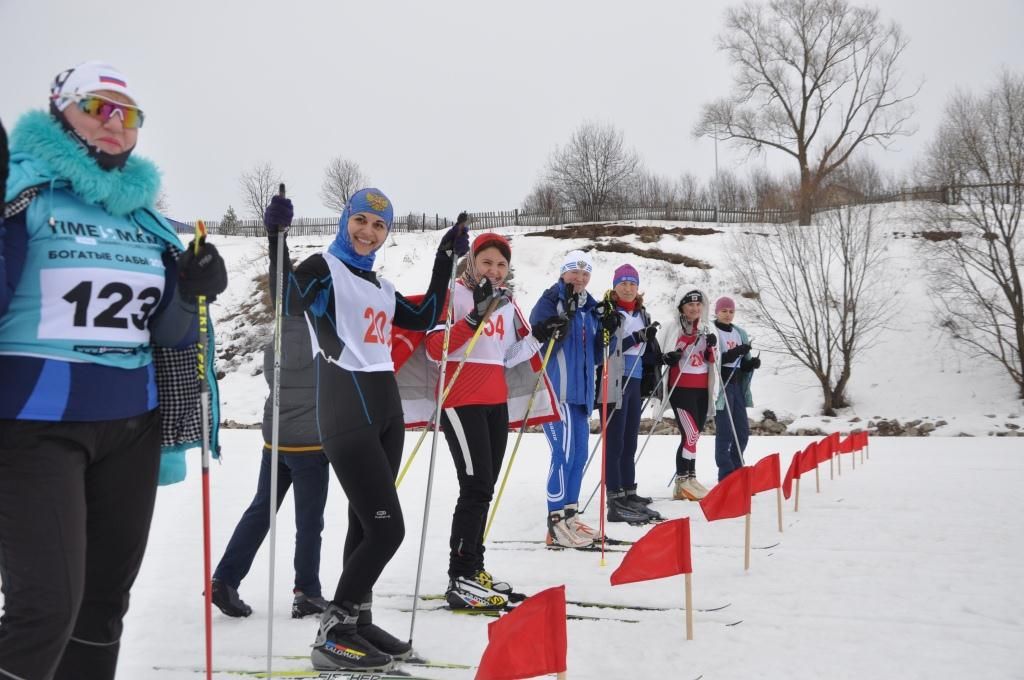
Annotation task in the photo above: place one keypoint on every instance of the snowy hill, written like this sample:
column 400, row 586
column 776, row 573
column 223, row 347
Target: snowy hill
column 912, row 373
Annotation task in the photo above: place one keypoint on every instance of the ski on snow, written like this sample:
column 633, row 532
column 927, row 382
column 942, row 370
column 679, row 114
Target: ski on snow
column 311, row 673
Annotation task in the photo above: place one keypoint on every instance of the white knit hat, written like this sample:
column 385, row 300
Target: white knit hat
column 577, row 259
column 89, row 76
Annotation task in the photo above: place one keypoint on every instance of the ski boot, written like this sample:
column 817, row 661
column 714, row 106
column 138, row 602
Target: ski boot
column 226, row 599
column 378, row 637
column 632, row 495
column 504, row 587
column 572, row 518
column 561, row 535
column 621, row 511
column 339, row 646
column 681, row 490
column 473, row 592
column 303, row 605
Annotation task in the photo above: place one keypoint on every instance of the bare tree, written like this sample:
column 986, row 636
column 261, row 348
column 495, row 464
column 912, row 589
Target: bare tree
column 258, row 186
column 815, row 79
column 342, row 178
column 593, row 169
column 975, row 248
column 817, row 292
column 543, row 199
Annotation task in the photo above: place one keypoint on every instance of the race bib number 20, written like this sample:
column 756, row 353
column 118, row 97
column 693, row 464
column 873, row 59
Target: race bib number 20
column 97, row 304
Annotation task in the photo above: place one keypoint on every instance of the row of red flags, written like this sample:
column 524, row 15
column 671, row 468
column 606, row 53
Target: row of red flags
column 531, row 640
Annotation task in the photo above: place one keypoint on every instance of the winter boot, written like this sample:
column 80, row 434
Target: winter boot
column 474, row 592
column 572, row 518
column 377, row 636
column 304, row 605
column 620, row 511
column 632, row 495
column 681, row 490
column 504, row 587
column 226, row 599
column 697, row 486
column 640, row 507
column 339, row 646
column 561, row 535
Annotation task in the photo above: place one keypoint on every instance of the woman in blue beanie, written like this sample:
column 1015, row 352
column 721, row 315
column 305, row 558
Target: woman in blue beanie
column 359, row 412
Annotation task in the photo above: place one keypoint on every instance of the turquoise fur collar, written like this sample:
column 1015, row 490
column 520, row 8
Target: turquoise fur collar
column 42, row 152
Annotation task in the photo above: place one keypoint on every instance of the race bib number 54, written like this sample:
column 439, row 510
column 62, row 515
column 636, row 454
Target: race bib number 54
column 96, row 304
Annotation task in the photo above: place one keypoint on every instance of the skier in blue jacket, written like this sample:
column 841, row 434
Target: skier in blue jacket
column 568, row 315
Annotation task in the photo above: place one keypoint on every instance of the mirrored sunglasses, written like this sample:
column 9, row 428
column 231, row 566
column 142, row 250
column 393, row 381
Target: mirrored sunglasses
column 98, row 107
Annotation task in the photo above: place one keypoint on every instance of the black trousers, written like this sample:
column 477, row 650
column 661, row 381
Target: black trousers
column 362, row 431
column 76, row 501
column 694, row 402
column 476, row 436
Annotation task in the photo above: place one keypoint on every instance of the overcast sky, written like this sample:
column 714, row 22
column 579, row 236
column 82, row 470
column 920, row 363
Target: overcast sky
column 446, row 104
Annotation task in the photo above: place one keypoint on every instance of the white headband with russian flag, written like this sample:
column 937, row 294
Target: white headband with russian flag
column 577, row 260
column 87, row 77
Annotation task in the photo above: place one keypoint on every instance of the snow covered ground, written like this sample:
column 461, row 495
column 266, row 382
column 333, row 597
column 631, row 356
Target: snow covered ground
column 913, row 371
column 907, row 567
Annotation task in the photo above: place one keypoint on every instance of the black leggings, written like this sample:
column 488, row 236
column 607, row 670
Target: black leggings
column 362, row 431
column 476, row 438
column 76, row 501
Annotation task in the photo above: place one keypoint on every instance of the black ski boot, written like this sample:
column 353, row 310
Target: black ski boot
column 378, row 637
column 303, row 605
column 226, row 599
column 621, row 511
column 339, row 646
column 632, row 495
column 634, row 503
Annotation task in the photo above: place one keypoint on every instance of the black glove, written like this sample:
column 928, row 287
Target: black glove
column 482, row 296
column 203, row 273
column 672, row 358
column 711, row 340
column 455, row 240
column 735, row 353
column 551, row 328
column 749, row 365
column 646, row 335
column 278, row 215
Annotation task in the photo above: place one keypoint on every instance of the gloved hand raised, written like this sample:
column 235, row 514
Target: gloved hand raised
column 672, row 358
column 484, row 295
column 202, row 273
column 751, row 365
column 551, row 328
column 711, row 340
column 278, row 215
column 647, row 334
column 455, row 241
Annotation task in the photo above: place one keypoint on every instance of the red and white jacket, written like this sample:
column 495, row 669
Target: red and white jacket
column 694, row 372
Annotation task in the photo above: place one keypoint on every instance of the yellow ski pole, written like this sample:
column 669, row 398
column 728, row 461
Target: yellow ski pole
column 519, row 437
column 447, row 390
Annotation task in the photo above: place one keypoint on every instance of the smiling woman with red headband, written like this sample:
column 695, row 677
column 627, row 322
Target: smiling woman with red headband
column 97, row 300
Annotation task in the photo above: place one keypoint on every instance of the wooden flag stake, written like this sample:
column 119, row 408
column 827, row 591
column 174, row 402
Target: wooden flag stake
column 817, row 480
column 832, row 466
column 689, row 607
column 746, row 547
column 796, row 502
column 839, row 463
column 778, row 499
column 561, row 676
column 854, row 459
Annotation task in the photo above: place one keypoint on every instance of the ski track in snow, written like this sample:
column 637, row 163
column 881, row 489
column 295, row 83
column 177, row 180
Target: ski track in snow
column 913, row 575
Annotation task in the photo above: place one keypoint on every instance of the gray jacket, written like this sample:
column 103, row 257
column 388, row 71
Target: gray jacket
column 298, row 431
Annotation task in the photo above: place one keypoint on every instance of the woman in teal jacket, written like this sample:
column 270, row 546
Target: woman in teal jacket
column 97, row 371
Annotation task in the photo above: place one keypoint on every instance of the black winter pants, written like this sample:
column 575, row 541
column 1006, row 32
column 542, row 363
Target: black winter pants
column 76, row 501
column 476, row 437
column 362, row 431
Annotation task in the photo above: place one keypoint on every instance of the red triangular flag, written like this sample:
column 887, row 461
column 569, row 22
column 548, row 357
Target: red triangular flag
column 822, row 451
column 791, row 474
column 729, row 498
column 663, row 551
column 528, row 641
column 809, row 458
column 765, row 474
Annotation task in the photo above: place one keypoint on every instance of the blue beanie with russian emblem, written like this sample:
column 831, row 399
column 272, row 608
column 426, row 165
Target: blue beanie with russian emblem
column 369, row 200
